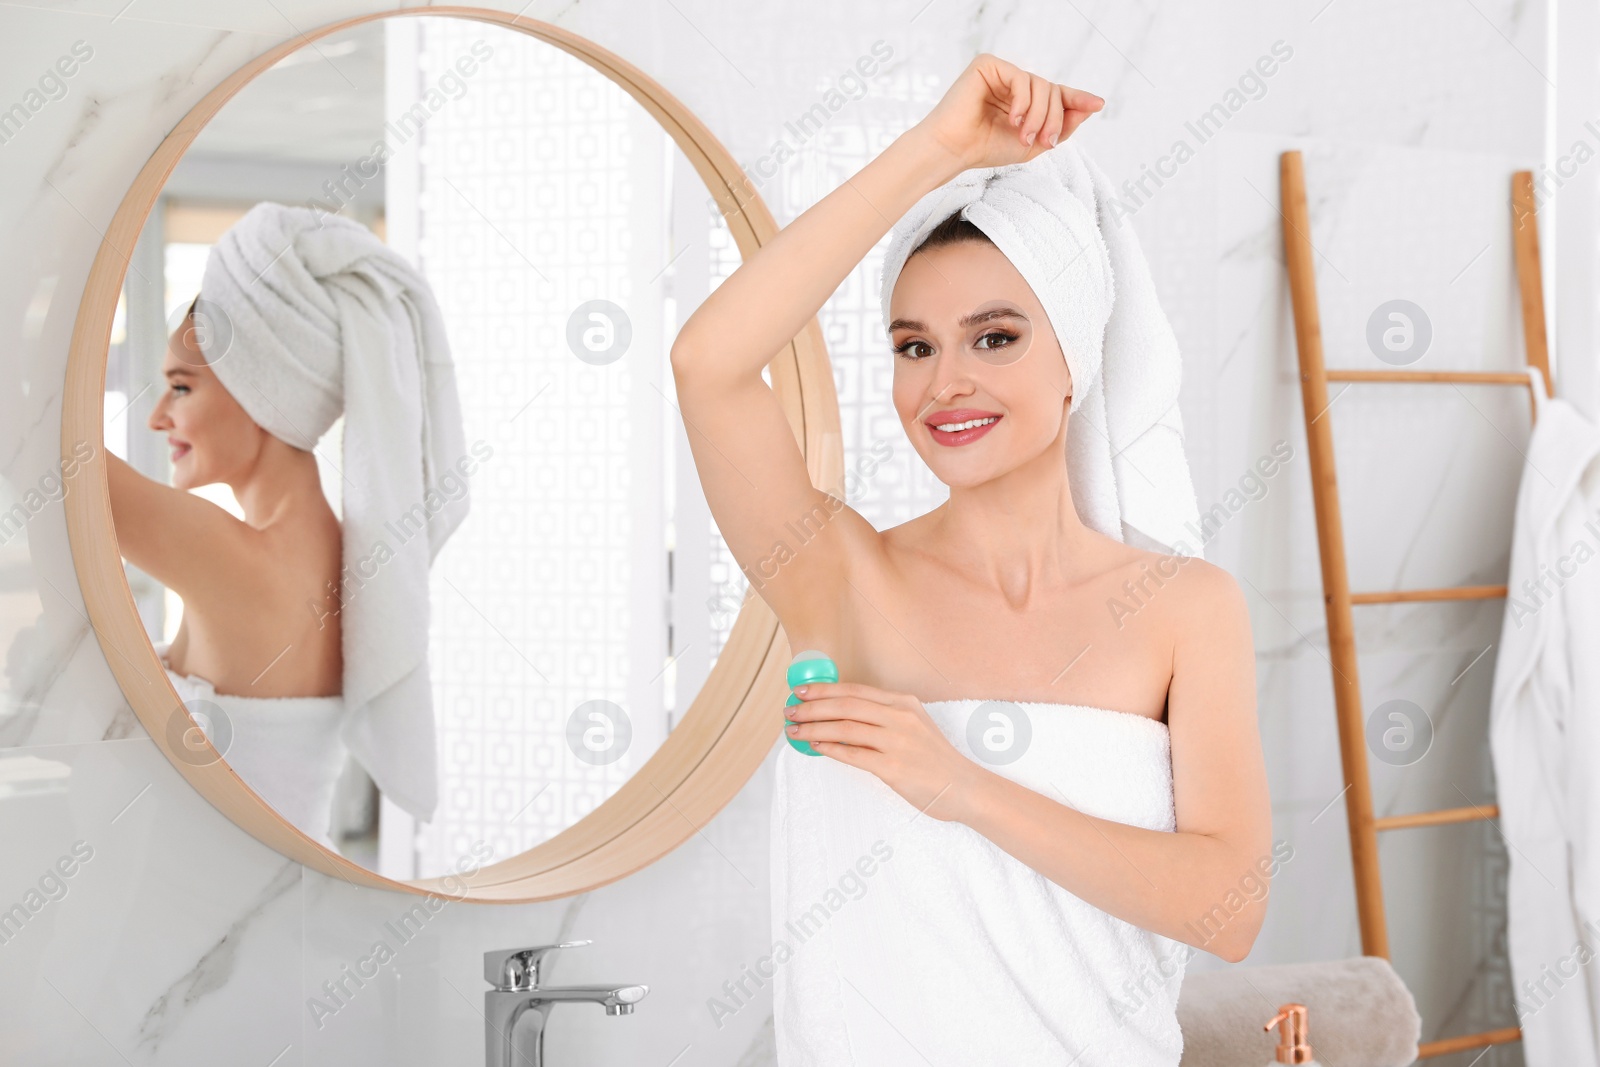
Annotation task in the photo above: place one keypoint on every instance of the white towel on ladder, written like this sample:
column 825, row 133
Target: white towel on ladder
column 1544, row 732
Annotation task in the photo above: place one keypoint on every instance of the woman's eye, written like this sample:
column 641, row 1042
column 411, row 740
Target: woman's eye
column 904, row 349
column 1000, row 334
column 180, row 390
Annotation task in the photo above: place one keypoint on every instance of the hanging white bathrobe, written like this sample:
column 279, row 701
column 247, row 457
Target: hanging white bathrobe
column 1544, row 735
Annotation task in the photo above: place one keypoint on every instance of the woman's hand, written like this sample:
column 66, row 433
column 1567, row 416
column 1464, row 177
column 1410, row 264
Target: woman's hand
column 889, row 734
column 997, row 113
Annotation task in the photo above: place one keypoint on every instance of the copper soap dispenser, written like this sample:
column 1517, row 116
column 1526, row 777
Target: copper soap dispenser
column 1293, row 1046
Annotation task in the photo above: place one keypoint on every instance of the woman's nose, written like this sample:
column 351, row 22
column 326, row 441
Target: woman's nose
column 950, row 379
column 158, row 415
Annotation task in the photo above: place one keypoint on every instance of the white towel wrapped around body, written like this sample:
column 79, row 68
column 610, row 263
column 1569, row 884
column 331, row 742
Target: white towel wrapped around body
column 901, row 940
column 305, row 316
column 286, row 749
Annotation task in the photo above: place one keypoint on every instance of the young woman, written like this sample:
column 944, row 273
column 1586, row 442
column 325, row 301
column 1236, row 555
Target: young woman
column 992, row 921
column 305, row 633
column 260, row 608
column 257, row 659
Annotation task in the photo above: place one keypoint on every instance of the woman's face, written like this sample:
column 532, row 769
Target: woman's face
column 971, row 342
column 212, row 438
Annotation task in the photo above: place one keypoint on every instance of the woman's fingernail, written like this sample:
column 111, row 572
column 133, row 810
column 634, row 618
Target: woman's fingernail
column 801, row 691
column 1053, row 138
column 793, row 727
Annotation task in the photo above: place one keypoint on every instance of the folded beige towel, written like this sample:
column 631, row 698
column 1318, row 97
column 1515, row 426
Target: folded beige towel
column 1358, row 1013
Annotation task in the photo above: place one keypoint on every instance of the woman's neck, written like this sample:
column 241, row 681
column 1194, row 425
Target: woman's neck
column 284, row 479
column 1020, row 533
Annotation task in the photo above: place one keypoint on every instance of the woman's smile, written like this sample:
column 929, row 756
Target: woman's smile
column 961, row 426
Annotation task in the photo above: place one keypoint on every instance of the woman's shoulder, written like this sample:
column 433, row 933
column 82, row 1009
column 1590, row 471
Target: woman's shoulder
column 1186, row 590
column 302, row 536
column 1204, row 582
column 1204, row 599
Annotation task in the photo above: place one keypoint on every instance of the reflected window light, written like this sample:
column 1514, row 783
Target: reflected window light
column 172, row 615
column 220, row 495
column 184, row 267
column 119, row 320
column 115, row 428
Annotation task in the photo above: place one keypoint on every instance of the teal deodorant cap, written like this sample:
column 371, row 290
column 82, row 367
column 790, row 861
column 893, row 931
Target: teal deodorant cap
column 808, row 666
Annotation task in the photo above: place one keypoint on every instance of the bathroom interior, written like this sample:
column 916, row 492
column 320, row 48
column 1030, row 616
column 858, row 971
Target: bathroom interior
column 1395, row 201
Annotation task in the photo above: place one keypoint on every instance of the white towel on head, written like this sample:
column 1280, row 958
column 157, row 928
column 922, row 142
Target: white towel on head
column 1054, row 218
column 304, row 315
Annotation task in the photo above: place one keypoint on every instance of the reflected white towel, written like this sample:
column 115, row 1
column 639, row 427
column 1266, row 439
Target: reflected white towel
column 304, row 315
column 287, row 749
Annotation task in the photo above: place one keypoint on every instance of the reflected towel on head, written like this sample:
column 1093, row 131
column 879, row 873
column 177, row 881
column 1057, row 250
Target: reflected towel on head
column 1054, row 218
column 303, row 315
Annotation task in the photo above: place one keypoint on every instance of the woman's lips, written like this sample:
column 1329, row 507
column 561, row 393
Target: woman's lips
column 962, row 437
column 179, row 449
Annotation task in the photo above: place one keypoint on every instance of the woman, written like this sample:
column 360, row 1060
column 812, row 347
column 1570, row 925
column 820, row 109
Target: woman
column 260, row 604
column 257, row 658
column 305, row 634
column 950, row 906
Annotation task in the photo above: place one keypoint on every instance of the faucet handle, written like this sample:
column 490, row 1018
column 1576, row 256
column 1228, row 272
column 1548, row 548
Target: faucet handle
column 518, row 968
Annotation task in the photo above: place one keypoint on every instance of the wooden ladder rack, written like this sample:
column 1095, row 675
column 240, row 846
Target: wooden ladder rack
column 1314, row 379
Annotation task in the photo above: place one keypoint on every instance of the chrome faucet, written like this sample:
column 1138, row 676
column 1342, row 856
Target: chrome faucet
column 514, row 973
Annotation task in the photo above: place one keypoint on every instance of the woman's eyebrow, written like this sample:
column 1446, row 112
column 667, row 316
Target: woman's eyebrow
column 965, row 321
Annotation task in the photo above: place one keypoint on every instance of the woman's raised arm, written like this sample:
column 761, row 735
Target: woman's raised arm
column 749, row 463
column 183, row 541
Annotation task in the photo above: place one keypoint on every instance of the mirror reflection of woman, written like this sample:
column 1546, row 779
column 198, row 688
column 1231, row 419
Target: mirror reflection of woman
column 303, row 638
column 260, row 611
column 1039, row 785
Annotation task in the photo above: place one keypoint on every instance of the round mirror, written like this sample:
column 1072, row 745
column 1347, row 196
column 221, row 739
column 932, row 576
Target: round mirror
column 393, row 466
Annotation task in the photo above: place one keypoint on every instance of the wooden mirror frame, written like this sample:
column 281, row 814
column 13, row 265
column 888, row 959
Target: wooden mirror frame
column 731, row 724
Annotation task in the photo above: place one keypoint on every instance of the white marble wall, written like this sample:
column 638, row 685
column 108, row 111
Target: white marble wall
column 181, row 940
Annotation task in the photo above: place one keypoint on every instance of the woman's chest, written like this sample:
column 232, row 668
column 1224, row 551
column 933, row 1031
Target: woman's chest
column 909, row 632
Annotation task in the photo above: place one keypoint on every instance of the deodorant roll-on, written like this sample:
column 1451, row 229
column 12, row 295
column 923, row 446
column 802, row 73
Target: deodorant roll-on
column 808, row 666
